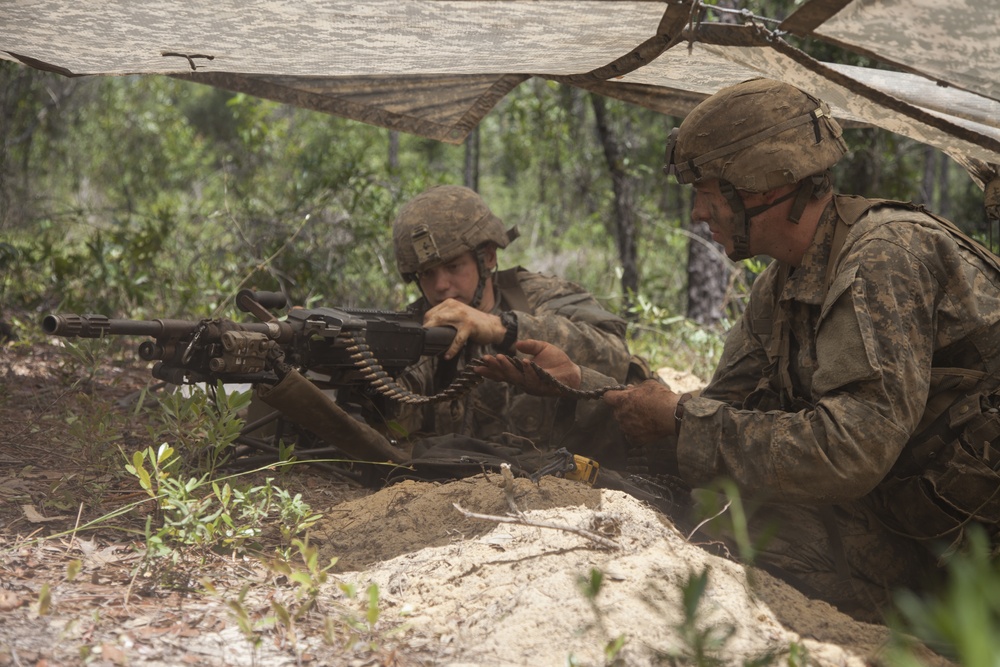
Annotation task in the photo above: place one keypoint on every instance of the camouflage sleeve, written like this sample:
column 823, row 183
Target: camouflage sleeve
column 872, row 351
column 570, row 318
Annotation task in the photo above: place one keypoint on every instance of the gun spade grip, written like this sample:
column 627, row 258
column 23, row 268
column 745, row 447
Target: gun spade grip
column 267, row 299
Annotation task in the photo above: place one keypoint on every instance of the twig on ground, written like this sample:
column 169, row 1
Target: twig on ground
column 524, row 521
column 507, row 484
column 76, row 527
column 718, row 514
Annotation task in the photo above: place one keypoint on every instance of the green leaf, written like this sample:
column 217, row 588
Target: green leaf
column 44, row 600
column 373, row 610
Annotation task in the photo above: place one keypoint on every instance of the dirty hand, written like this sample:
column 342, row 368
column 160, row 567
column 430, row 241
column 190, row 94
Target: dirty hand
column 548, row 357
column 644, row 411
column 471, row 325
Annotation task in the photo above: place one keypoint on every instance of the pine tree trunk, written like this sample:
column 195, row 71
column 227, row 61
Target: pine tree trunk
column 944, row 200
column 708, row 276
column 472, row 160
column 929, row 181
column 624, row 186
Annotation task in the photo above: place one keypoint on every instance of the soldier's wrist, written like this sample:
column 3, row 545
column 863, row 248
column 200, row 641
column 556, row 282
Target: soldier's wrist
column 508, row 319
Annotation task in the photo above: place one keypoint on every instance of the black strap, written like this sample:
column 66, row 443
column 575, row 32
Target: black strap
column 511, row 290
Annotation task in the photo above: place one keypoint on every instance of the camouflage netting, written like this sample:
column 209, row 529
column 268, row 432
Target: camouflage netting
column 436, row 67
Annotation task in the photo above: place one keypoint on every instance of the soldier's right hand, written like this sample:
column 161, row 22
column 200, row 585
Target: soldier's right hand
column 470, row 324
column 548, row 357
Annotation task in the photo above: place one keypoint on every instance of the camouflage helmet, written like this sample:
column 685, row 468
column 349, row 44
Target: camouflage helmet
column 757, row 135
column 441, row 224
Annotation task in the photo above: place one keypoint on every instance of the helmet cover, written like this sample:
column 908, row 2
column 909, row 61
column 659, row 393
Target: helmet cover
column 758, row 135
column 442, row 223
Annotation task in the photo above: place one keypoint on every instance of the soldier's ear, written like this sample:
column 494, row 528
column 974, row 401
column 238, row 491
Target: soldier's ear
column 490, row 255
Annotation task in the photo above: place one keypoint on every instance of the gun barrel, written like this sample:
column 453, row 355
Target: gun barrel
column 97, row 326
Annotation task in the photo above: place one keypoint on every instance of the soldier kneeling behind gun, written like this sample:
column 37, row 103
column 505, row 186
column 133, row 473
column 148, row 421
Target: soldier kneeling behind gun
column 446, row 241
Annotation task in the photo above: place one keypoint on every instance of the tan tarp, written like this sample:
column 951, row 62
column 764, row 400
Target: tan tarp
column 435, row 68
column 955, row 42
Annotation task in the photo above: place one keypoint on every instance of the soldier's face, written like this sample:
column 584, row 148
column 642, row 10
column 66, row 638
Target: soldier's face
column 456, row 279
column 711, row 207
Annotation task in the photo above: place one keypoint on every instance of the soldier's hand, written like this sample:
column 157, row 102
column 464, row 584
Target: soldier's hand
column 470, row 324
column 644, row 411
column 548, row 357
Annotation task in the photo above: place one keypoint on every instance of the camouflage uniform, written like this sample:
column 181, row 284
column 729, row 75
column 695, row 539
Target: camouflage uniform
column 826, row 378
column 855, row 398
column 559, row 312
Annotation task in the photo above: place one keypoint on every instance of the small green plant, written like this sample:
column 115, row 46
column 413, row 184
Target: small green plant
column 162, row 463
column 798, row 655
column 212, row 515
column 364, row 629
column 962, row 621
column 205, row 423
column 590, row 585
column 700, row 645
column 251, row 628
column 700, row 642
column 307, row 576
column 724, row 514
column 85, row 358
column 308, row 581
column 673, row 340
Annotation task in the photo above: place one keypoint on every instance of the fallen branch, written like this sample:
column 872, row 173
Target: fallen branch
column 524, row 521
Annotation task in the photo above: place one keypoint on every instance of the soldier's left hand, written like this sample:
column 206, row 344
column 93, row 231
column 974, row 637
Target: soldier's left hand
column 644, row 411
column 549, row 358
column 470, row 323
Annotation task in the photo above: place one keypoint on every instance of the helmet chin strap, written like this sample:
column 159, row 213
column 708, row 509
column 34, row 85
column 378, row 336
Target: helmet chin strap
column 741, row 242
column 484, row 273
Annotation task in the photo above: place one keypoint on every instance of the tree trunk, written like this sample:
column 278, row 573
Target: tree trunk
column 930, row 177
column 708, row 276
column 472, row 160
column 624, row 187
column 944, row 200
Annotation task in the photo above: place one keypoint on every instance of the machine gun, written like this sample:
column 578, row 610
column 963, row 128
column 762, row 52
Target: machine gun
column 358, row 353
column 345, row 345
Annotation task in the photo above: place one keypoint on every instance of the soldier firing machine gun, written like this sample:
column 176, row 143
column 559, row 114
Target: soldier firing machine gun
column 356, row 352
